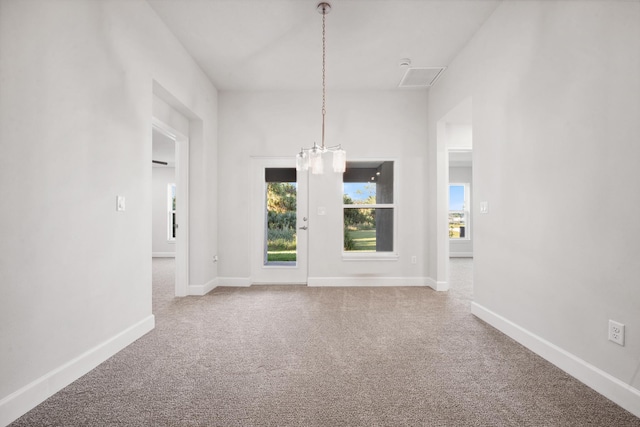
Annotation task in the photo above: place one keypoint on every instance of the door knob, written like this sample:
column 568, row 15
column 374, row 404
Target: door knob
column 304, row 227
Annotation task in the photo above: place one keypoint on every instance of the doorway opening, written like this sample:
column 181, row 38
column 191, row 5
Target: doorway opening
column 163, row 204
column 454, row 166
column 163, row 194
column 170, row 200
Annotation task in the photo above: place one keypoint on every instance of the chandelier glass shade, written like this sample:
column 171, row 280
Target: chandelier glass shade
column 312, row 158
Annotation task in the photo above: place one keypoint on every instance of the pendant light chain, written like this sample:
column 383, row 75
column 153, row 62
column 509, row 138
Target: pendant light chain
column 324, row 86
column 311, row 158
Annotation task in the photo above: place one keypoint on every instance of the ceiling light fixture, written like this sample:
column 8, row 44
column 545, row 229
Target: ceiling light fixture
column 312, row 157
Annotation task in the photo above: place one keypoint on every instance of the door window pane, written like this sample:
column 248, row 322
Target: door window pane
column 281, row 203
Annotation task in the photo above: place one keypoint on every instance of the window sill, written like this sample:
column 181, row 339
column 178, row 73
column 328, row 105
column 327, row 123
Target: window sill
column 381, row 256
column 280, row 265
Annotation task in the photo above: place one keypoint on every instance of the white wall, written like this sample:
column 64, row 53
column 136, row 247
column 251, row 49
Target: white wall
column 556, row 101
column 368, row 125
column 162, row 177
column 459, row 136
column 170, row 117
column 462, row 247
column 75, row 108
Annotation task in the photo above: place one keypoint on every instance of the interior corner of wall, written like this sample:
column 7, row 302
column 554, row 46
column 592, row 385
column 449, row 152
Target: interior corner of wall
column 437, row 285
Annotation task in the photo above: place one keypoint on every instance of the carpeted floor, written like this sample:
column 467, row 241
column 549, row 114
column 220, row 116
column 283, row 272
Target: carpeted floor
column 298, row 356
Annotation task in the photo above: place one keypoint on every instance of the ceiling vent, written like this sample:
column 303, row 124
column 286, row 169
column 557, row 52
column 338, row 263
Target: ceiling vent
column 421, row 77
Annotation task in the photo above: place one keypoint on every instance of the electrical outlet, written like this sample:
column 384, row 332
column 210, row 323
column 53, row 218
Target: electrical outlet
column 616, row 332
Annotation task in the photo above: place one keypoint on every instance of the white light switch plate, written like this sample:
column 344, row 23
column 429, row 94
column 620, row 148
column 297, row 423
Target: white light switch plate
column 484, row 207
column 322, row 210
column 119, row 203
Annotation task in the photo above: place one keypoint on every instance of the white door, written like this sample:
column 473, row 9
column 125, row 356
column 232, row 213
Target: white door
column 279, row 222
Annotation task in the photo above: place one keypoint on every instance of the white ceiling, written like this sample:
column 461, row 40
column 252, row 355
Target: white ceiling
column 277, row 44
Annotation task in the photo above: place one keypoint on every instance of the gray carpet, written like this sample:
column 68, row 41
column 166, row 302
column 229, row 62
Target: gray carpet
column 298, row 356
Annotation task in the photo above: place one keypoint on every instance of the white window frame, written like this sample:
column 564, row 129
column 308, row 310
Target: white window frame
column 375, row 256
column 171, row 188
column 465, row 211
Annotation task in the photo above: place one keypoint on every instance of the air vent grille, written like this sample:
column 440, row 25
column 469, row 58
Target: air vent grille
column 421, row 77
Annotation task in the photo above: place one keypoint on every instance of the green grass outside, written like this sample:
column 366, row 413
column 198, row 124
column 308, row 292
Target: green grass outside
column 364, row 240
column 281, row 256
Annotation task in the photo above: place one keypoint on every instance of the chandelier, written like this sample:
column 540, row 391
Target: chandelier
column 312, row 158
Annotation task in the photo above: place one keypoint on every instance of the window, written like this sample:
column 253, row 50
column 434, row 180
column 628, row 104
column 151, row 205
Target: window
column 171, row 215
column 458, row 211
column 369, row 207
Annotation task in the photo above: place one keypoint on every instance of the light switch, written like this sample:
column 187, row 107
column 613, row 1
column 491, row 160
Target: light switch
column 119, row 203
column 484, row 207
column 322, row 210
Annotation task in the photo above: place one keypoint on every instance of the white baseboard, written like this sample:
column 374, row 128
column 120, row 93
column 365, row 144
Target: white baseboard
column 200, row 290
column 239, row 282
column 460, row 254
column 163, row 254
column 437, row 286
column 342, row 281
column 366, row 281
column 28, row 397
column 279, row 282
column 610, row 387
